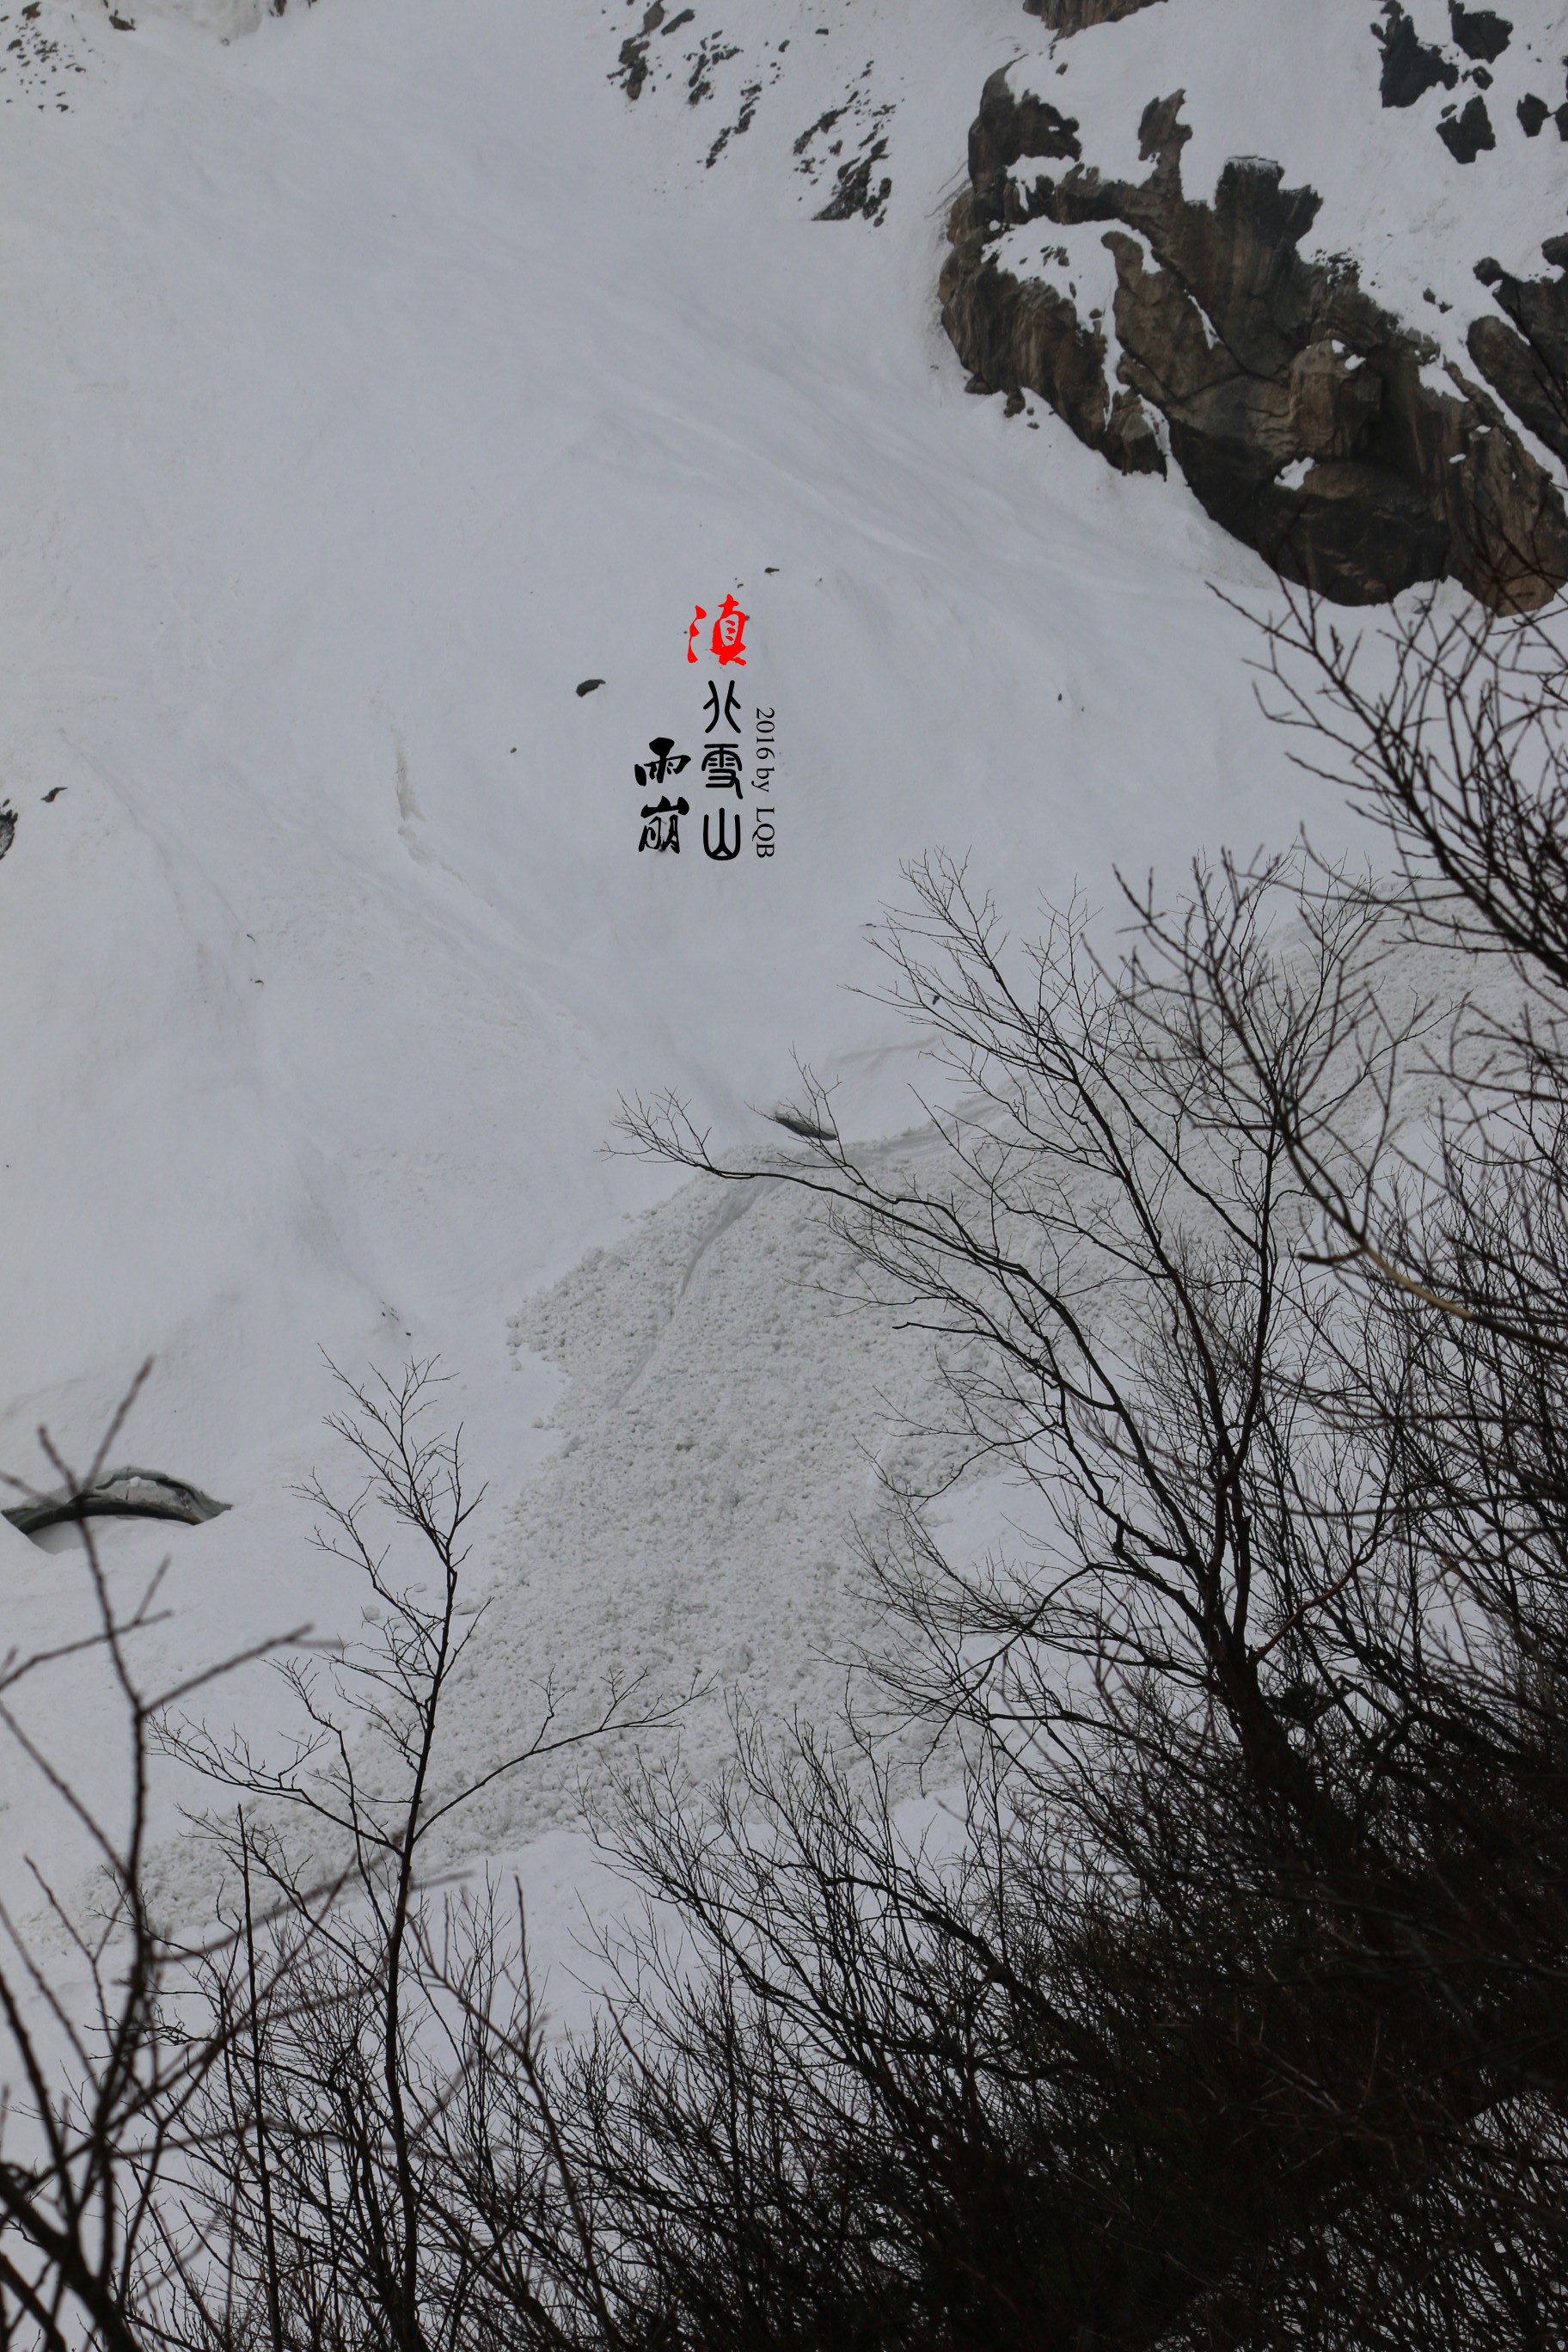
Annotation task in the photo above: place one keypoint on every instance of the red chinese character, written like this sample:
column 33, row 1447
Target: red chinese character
column 730, row 633
column 691, row 636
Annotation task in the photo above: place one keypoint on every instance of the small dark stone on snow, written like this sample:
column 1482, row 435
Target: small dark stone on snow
column 1532, row 114
column 1469, row 134
column 586, row 687
column 1410, row 65
column 1479, row 32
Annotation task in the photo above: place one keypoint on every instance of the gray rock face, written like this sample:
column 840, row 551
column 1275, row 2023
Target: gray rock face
column 1293, row 404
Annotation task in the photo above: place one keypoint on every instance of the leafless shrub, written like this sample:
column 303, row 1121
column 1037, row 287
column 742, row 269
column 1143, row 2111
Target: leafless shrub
column 92, row 2108
column 345, row 2185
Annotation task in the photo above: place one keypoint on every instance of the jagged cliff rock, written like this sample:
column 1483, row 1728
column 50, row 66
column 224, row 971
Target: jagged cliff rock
column 1302, row 415
column 1528, row 367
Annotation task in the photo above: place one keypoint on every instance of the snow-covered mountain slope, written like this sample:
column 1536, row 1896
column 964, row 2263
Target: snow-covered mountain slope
column 377, row 376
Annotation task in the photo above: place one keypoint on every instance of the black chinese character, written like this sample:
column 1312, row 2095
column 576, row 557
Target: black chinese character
column 726, row 847
column 721, row 763
column 661, row 826
column 661, row 765
column 730, row 716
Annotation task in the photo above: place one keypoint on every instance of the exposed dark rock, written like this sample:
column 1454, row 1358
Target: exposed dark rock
column 7, row 826
column 119, row 1495
column 632, row 69
column 823, row 122
column 1479, row 32
column 1077, row 15
column 1411, row 67
column 1532, row 114
column 751, row 92
column 712, row 52
column 1527, row 362
column 1468, row 134
column 857, row 194
column 1007, row 127
column 1295, row 405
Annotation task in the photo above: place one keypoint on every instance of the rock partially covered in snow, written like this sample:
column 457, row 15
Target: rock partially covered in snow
column 1077, row 16
column 1308, row 420
column 127, row 1494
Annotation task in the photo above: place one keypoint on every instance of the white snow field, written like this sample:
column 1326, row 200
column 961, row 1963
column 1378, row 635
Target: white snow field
column 371, row 377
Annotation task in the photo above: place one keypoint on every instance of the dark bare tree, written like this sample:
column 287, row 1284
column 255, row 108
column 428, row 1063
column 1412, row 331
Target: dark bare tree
column 1223, row 2004
column 1242, row 1250
column 93, row 2107
column 323, row 2202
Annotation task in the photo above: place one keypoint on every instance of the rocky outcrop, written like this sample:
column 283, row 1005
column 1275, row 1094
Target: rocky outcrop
column 1468, row 134
column 1481, row 33
column 1077, row 15
column 1411, row 67
column 1302, row 415
column 1478, row 38
column 632, row 70
column 1527, row 362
